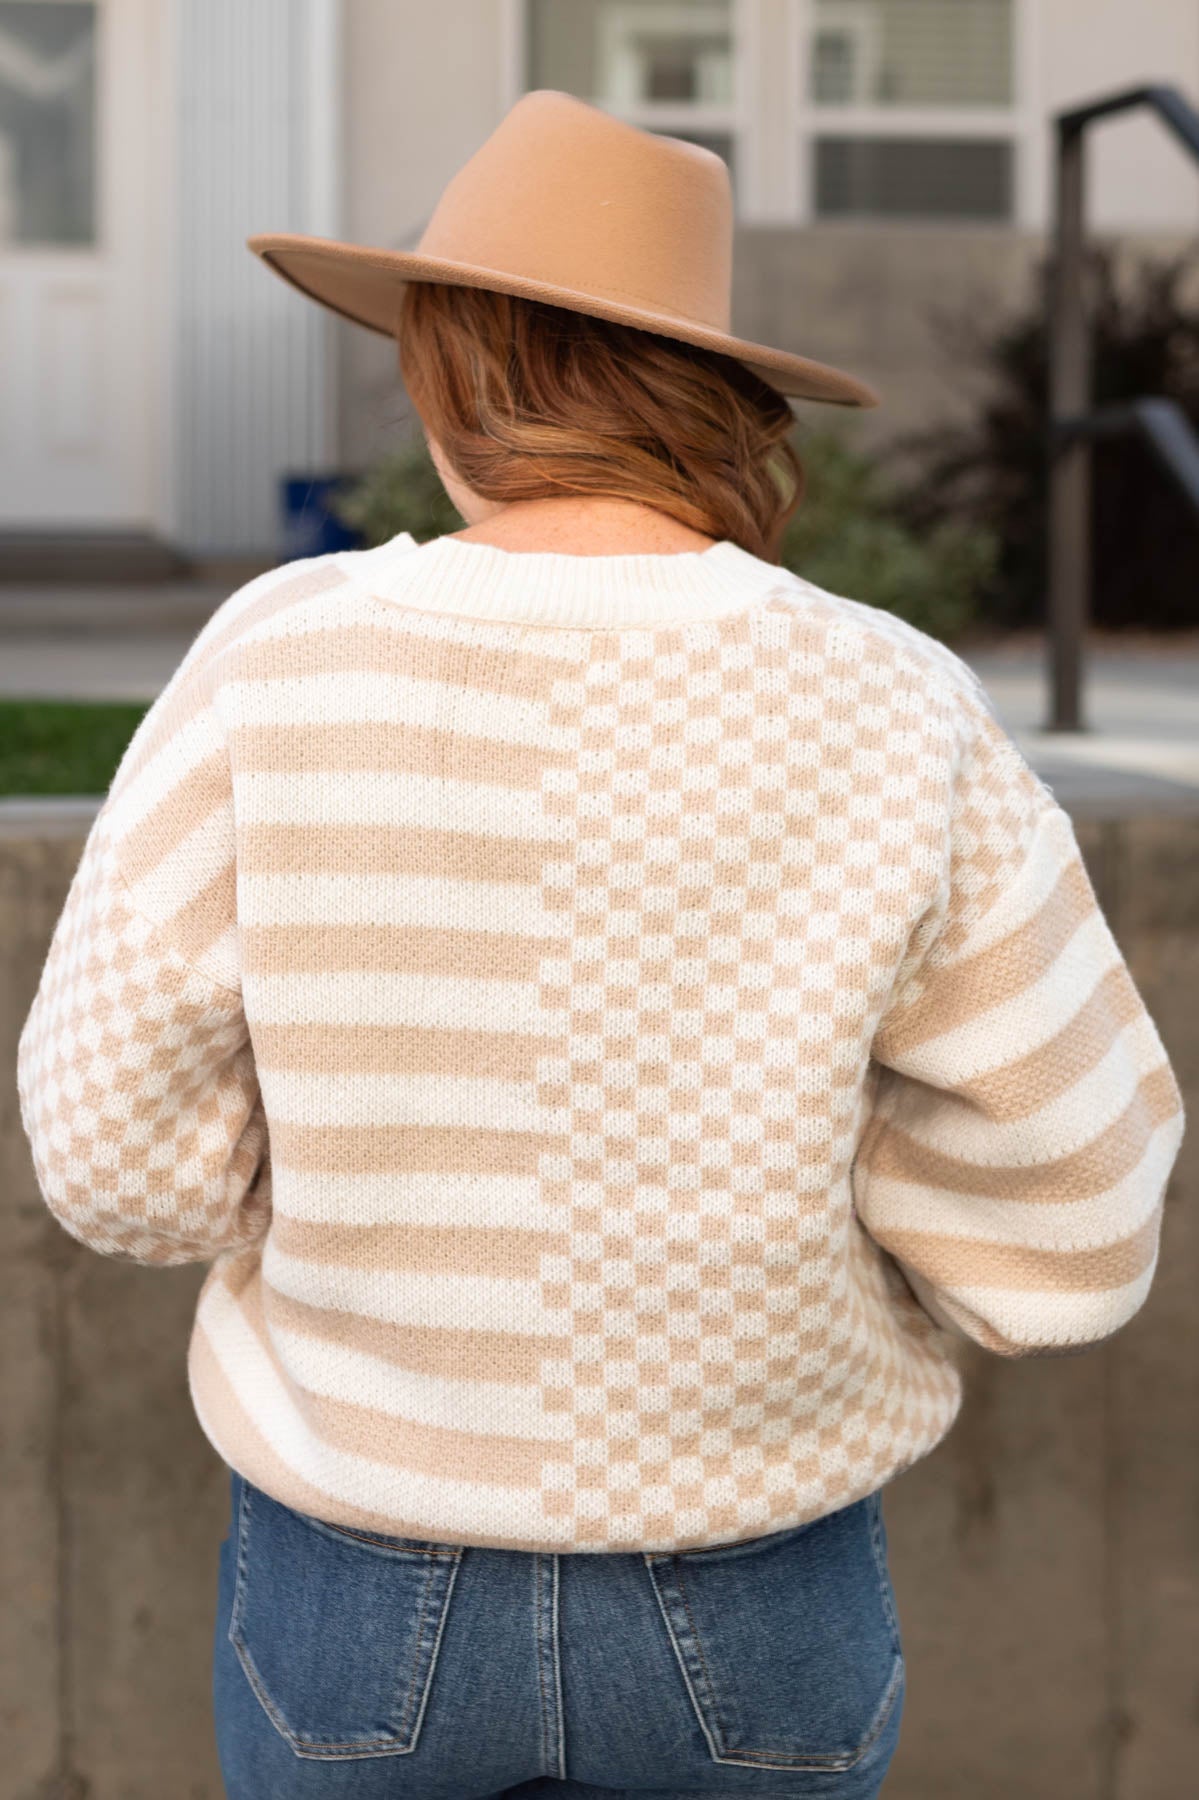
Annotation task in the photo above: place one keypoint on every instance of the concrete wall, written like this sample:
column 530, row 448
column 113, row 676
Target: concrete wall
column 1045, row 1556
column 891, row 305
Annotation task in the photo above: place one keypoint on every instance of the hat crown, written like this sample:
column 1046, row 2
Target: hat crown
column 563, row 193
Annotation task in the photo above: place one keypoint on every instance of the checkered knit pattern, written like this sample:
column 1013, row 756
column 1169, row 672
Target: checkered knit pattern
column 146, row 1119
column 615, row 1026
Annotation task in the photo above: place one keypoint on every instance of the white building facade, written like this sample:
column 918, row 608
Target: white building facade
column 890, row 159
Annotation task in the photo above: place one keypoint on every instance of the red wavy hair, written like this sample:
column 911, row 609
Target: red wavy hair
column 525, row 398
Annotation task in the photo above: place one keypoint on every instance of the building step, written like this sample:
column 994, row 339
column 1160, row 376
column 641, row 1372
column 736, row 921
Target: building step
column 87, row 556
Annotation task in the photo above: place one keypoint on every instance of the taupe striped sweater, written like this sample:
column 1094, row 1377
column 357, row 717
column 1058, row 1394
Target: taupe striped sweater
column 614, row 1025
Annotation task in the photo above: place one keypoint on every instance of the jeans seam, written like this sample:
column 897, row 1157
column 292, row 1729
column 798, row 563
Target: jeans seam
column 695, row 1638
column 880, row 1564
column 365, row 1537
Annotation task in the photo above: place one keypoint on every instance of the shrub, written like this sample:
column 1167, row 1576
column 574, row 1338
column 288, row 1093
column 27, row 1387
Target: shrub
column 992, row 472
column 850, row 537
column 401, row 492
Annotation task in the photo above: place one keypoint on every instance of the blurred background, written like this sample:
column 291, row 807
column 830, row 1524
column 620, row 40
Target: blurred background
column 174, row 420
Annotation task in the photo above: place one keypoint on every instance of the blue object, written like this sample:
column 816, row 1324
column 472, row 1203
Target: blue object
column 310, row 528
column 347, row 1662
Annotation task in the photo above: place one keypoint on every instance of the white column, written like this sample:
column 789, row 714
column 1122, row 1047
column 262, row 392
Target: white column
column 259, row 89
column 771, row 192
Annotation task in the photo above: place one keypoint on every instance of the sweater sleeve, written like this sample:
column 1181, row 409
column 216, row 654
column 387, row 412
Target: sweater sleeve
column 137, row 1083
column 1025, row 1118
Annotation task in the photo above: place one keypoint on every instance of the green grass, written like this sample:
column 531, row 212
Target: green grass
column 63, row 746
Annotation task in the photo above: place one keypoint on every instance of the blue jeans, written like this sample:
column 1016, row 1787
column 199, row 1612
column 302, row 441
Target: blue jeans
column 390, row 1668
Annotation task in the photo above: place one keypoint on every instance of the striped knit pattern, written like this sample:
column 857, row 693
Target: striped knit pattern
column 616, row 1026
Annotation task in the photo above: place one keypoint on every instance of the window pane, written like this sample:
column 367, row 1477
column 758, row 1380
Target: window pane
column 911, row 52
column 625, row 53
column 921, row 178
column 47, row 123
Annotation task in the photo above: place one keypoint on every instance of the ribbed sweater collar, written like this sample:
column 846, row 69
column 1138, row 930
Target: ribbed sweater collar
column 454, row 575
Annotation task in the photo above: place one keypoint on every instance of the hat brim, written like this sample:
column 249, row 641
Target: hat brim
column 366, row 286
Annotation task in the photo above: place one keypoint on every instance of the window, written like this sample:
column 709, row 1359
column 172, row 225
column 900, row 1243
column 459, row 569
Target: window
column 910, row 105
column 822, row 109
column 667, row 65
column 912, row 52
column 47, row 122
column 940, row 178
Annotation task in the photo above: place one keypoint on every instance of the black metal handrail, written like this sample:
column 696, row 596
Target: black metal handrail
column 1164, row 427
column 1073, row 422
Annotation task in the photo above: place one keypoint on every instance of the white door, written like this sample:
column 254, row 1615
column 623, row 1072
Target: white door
column 81, row 276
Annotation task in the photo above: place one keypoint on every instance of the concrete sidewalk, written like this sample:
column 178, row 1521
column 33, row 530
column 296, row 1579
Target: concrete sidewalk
column 1141, row 707
column 1142, row 693
column 92, row 643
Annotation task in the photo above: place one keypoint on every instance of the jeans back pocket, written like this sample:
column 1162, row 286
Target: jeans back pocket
column 337, row 1629
column 788, row 1644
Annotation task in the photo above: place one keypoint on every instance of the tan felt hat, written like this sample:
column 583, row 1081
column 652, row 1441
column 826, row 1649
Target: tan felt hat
column 567, row 204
